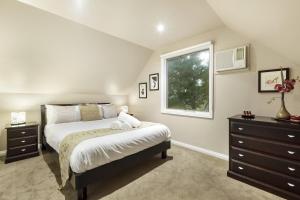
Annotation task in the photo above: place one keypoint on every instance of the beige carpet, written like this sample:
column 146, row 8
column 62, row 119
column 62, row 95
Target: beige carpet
column 184, row 175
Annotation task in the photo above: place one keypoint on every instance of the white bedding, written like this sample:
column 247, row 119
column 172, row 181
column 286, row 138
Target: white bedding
column 98, row 151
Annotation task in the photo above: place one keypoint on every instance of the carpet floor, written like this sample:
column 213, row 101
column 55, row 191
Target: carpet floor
column 184, row 175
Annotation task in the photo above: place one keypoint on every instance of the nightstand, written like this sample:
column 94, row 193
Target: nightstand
column 22, row 141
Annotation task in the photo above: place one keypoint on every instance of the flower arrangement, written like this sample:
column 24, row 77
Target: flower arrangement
column 286, row 86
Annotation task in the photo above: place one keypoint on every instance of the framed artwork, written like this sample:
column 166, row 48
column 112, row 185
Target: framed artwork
column 154, row 82
column 142, row 90
column 267, row 79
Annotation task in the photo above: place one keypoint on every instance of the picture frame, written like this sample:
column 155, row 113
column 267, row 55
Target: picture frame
column 154, row 82
column 143, row 90
column 267, row 79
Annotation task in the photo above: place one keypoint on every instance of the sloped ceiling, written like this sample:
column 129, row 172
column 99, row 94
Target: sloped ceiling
column 274, row 23
column 43, row 53
column 136, row 20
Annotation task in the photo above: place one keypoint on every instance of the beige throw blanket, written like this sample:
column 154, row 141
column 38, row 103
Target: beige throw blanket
column 69, row 143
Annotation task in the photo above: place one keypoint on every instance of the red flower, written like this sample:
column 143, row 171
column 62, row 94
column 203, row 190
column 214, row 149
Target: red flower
column 278, row 87
column 286, row 86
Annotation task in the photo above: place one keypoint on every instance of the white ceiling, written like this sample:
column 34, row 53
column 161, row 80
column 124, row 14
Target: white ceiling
column 136, row 20
column 38, row 51
column 274, row 23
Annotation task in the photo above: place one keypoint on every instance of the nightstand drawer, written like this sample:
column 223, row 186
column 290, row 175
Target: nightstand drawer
column 22, row 141
column 22, row 132
column 266, row 132
column 21, row 150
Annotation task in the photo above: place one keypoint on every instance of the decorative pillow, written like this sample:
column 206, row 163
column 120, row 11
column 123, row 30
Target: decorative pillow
column 109, row 111
column 90, row 112
column 62, row 114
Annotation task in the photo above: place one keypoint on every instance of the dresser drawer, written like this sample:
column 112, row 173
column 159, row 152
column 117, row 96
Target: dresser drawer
column 291, row 168
column 267, row 176
column 24, row 132
column 21, row 150
column 22, row 141
column 273, row 148
column 267, row 132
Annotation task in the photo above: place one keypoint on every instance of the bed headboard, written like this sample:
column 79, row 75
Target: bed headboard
column 44, row 119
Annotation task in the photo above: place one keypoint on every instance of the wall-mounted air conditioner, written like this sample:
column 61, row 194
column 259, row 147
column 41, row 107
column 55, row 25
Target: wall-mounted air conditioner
column 231, row 59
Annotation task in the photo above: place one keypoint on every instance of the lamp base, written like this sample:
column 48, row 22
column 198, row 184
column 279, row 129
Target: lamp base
column 16, row 124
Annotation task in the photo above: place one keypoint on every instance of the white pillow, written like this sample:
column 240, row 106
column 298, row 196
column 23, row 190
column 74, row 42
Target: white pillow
column 109, row 111
column 62, row 114
column 134, row 122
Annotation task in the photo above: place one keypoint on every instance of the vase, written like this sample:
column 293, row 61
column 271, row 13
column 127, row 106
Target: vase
column 283, row 113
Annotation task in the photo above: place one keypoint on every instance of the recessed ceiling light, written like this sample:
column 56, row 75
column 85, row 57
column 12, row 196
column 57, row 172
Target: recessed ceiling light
column 160, row 28
column 79, row 3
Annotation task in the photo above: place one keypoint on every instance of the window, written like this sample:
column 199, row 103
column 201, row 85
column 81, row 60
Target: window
column 187, row 81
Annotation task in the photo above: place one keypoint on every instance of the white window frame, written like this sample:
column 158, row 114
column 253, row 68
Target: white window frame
column 164, row 85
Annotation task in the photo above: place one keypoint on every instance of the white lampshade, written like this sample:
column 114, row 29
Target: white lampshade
column 18, row 117
column 124, row 109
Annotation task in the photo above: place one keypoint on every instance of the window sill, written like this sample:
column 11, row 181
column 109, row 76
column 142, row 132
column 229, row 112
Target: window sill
column 207, row 115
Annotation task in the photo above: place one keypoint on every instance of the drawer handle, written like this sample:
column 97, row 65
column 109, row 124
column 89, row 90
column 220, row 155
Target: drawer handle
column 291, row 136
column 241, row 142
column 291, row 152
column 241, row 168
column 241, row 155
column 23, row 141
column 291, row 169
column 291, row 185
column 23, row 150
column 23, row 132
column 240, row 129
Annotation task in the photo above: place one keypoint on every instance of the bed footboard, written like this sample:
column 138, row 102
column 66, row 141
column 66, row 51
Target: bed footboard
column 80, row 181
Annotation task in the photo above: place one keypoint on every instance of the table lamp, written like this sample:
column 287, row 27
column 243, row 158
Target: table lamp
column 18, row 118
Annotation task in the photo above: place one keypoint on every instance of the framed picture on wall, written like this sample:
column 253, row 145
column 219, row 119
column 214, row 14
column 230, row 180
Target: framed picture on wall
column 267, row 79
column 142, row 90
column 154, row 82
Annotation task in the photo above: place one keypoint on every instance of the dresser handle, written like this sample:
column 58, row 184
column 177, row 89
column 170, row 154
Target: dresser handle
column 240, row 129
column 291, row 136
column 241, row 142
column 291, row 152
column 23, row 141
column 241, row 155
column 23, row 132
column 241, row 168
column 23, row 150
column 291, row 185
column 291, row 169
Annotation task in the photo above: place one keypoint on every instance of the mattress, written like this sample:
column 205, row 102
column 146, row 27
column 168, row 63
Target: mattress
column 98, row 151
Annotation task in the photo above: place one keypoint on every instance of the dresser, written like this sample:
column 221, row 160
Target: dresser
column 22, row 142
column 265, row 153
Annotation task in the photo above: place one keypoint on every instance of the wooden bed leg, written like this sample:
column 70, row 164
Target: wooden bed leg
column 82, row 194
column 164, row 154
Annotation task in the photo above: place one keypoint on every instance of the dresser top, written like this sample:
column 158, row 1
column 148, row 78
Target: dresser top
column 266, row 120
column 27, row 124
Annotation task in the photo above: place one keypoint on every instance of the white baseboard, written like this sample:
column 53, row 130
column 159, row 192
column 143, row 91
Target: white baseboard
column 2, row 153
column 201, row 150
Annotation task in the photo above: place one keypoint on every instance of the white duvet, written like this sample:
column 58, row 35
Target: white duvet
column 98, row 151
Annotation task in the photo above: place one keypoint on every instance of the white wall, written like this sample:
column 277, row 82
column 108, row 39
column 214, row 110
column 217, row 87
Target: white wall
column 48, row 59
column 233, row 93
column 43, row 53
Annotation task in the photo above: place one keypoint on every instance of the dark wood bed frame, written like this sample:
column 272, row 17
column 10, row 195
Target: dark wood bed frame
column 79, row 181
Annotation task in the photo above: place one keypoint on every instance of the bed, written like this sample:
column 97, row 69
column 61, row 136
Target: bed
column 101, row 157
